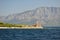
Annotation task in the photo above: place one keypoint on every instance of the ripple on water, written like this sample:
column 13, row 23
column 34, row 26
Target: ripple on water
column 30, row 34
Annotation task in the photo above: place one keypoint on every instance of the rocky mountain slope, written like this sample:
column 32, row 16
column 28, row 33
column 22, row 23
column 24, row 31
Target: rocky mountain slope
column 47, row 16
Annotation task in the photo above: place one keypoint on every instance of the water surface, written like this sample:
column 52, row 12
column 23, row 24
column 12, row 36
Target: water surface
column 29, row 34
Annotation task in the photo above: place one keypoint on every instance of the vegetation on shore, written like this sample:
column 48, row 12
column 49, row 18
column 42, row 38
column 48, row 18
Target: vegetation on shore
column 2, row 24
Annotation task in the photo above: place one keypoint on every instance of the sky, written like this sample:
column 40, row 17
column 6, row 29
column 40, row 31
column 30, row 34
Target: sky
column 8, row 7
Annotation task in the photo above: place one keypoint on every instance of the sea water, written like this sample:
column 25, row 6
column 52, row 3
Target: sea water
column 29, row 34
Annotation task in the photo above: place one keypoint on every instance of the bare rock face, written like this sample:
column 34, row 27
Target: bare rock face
column 48, row 16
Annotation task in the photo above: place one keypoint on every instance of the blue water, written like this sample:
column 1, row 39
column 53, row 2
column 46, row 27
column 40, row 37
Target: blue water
column 30, row 34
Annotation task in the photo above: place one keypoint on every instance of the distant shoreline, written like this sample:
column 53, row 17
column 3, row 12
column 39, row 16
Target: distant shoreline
column 20, row 28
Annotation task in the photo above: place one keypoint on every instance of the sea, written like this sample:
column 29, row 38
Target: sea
column 30, row 34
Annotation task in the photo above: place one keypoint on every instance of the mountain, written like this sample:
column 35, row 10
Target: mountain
column 47, row 16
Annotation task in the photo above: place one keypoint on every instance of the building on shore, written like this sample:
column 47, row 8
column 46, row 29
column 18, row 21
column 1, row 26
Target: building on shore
column 37, row 24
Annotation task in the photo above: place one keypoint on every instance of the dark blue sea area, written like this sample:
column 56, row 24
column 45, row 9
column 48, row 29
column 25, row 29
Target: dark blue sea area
column 30, row 34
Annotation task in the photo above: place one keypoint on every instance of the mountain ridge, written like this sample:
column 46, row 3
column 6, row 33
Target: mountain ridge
column 48, row 16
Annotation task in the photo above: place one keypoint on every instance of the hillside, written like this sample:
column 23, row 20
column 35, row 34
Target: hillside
column 47, row 16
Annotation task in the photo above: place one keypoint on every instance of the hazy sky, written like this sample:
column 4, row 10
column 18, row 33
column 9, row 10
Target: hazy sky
column 8, row 7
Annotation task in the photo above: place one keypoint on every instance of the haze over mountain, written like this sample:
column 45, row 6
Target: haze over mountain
column 47, row 16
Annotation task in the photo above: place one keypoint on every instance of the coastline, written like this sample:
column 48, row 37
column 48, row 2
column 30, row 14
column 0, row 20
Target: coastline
column 21, row 27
